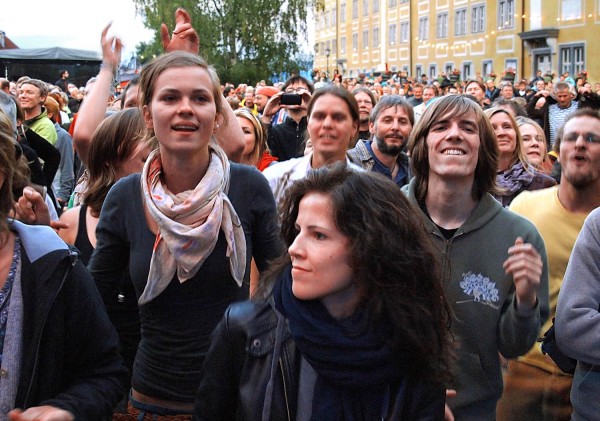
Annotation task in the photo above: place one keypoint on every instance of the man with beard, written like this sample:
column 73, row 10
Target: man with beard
column 534, row 387
column 366, row 101
column 262, row 96
column 390, row 124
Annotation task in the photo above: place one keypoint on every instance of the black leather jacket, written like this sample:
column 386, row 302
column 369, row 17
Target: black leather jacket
column 238, row 368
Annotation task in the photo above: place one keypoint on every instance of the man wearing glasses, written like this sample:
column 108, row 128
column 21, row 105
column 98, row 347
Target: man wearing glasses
column 286, row 140
column 534, row 387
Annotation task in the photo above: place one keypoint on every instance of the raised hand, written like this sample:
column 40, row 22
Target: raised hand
column 185, row 37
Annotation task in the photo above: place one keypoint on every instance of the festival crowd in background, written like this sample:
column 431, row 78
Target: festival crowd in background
column 338, row 248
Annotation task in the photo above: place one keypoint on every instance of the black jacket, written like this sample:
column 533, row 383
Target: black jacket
column 69, row 356
column 286, row 140
column 238, row 367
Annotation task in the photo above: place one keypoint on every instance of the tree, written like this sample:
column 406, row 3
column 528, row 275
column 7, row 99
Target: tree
column 244, row 40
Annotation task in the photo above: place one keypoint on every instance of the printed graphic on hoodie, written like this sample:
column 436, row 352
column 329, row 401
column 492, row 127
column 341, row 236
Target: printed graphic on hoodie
column 481, row 288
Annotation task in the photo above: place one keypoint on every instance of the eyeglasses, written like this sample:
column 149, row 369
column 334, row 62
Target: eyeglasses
column 588, row 137
column 295, row 90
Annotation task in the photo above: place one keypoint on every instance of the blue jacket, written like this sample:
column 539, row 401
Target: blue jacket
column 69, row 356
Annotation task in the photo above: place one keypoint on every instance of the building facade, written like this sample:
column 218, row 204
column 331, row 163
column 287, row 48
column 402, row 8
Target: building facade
column 470, row 37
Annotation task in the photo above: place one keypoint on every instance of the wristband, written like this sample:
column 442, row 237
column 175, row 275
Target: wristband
column 112, row 67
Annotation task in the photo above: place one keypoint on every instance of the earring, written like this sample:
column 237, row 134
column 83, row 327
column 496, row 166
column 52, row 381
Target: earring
column 217, row 125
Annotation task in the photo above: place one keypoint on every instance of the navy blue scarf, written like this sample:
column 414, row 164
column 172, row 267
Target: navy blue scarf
column 355, row 365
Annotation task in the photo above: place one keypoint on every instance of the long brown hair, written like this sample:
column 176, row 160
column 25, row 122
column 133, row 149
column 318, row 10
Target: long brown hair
column 487, row 162
column 399, row 282
column 113, row 142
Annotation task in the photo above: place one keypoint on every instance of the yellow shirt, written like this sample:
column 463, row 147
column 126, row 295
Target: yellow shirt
column 559, row 228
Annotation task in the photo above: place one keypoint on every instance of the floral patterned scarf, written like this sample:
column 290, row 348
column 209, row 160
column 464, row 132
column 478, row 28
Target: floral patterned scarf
column 189, row 224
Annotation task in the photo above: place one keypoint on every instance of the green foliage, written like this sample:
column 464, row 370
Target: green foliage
column 245, row 41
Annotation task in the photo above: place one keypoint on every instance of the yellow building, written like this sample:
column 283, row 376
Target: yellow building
column 476, row 37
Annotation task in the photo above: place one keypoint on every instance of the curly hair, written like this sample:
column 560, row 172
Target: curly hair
column 393, row 261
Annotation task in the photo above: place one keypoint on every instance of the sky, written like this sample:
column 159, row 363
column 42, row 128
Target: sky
column 73, row 24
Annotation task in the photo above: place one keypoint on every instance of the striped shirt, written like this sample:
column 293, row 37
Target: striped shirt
column 557, row 116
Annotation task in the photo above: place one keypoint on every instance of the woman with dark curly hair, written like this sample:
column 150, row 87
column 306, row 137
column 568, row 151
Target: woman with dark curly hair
column 342, row 327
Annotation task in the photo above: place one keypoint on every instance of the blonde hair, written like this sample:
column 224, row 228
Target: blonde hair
column 260, row 140
column 518, row 154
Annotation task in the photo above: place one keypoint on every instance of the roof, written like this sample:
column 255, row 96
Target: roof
column 53, row 53
column 6, row 42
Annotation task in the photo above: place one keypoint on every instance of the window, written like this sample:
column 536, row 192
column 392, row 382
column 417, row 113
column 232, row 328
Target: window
column 442, row 25
column 404, row 31
column 571, row 9
column 343, row 45
column 511, row 62
column 343, row 12
column 375, row 37
column 506, row 14
column 354, row 9
column 478, row 18
column 487, row 67
column 467, row 71
column 333, row 17
column 423, row 28
column 365, row 40
column 572, row 59
column 376, row 6
column 392, row 3
column 355, row 41
column 418, row 70
column 365, row 7
column 392, row 34
column 432, row 71
column 460, row 22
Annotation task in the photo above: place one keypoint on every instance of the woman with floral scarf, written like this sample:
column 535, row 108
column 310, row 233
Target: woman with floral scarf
column 185, row 231
column 515, row 172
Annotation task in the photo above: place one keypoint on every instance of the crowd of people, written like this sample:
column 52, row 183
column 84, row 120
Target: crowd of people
column 351, row 249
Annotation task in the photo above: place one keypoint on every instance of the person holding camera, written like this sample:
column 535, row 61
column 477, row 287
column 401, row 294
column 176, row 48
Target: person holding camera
column 286, row 140
column 333, row 120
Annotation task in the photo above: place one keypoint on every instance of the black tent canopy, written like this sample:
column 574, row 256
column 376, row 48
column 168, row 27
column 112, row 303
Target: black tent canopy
column 45, row 63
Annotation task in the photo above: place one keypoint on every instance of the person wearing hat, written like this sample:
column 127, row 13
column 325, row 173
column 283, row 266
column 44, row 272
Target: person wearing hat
column 262, row 96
